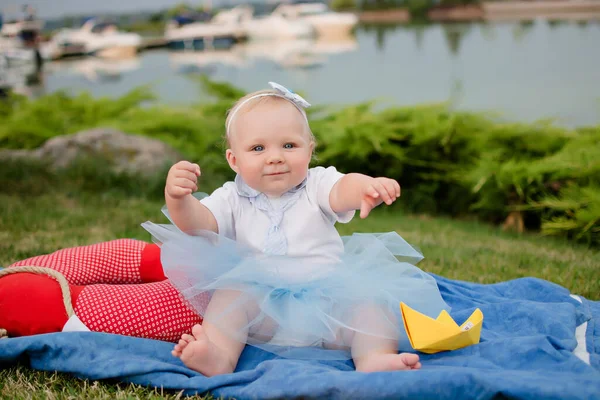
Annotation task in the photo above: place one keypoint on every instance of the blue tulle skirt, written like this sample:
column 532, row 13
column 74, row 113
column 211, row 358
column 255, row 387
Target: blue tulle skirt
column 296, row 307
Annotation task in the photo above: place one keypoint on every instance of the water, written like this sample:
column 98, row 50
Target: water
column 525, row 71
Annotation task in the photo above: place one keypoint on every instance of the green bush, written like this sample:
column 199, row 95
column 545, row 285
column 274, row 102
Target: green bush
column 419, row 146
column 535, row 176
column 374, row 5
column 27, row 124
column 418, row 8
column 343, row 5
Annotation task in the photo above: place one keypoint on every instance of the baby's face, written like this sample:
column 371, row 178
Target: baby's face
column 270, row 147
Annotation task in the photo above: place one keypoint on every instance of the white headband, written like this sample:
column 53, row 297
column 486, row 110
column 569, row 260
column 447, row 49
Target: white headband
column 282, row 92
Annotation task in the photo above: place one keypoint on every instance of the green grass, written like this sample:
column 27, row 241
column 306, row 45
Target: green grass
column 21, row 383
column 465, row 250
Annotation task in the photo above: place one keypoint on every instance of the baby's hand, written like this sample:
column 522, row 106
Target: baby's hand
column 376, row 191
column 182, row 179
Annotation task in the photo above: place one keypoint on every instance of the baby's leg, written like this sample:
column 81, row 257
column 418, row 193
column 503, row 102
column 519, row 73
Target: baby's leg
column 209, row 350
column 378, row 353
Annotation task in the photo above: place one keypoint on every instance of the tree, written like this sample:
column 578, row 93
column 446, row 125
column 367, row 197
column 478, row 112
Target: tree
column 341, row 5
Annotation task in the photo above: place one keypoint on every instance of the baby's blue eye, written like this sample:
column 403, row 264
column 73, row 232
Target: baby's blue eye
column 258, row 148
column 288, row 146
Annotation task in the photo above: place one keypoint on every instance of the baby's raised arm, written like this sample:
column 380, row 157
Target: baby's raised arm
column 185, row 210
column 358, row 191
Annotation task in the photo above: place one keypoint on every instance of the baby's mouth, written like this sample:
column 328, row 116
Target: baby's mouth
column 276, row 173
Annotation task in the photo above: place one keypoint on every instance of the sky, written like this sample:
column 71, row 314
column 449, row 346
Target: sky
column 58, row 8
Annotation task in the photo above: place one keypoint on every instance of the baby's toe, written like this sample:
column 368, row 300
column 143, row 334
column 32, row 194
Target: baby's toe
column 187, row 338
column 410, row 360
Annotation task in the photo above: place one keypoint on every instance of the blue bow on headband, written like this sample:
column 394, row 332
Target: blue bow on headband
column 289, row 95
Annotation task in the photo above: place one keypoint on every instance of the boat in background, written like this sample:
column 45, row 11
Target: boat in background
column 95, row 37
column 270, row 26
column 19, row 39
column 198, row 31
column 228, row 27
column 327, row 23
column 25, row 30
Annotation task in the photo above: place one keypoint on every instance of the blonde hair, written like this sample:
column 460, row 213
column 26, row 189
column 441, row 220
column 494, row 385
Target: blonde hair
column 251, row 100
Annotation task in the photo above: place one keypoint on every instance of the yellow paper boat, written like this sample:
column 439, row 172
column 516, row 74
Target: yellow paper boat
column 430, row 335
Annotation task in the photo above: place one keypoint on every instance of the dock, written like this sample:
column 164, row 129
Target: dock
column 153, row 43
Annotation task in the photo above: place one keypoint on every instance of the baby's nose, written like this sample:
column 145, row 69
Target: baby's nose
column 275, row 158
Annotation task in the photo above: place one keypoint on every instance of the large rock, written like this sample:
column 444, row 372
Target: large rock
column 124, row 152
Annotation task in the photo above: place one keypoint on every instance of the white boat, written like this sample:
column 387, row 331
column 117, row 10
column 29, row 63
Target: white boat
column 194, row 33
column 27, row 31
column 271, row 26
column 95, row 37
column 19, row 41
column 327, row 23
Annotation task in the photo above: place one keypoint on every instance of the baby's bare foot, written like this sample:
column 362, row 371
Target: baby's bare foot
column 185, row 339
column 198, row 353
column 387, row 362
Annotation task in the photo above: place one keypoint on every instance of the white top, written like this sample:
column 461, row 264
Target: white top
column 308, row 225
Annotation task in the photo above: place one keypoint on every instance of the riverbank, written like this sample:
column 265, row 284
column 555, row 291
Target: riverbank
column 584, row 10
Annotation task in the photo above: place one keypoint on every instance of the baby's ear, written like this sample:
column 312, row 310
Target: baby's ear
column 231, row 160
column 313, row 153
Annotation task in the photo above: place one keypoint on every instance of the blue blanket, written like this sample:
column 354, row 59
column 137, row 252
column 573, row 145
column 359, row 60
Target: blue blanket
column 537, row 341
